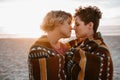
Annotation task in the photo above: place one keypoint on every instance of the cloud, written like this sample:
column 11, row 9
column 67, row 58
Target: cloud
column 117, row 17
column 6, row 0
column 25, row 16
column 1, row 30
column 113, row 3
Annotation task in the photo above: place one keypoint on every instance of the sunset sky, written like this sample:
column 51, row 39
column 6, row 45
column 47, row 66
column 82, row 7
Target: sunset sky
column 23, row 17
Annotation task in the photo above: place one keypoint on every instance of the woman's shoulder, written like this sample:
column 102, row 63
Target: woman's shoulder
column 38, row 51
column 42, row 41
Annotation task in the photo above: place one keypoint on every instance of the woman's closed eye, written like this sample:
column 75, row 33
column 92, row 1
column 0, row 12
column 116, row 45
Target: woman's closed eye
column 76, row 24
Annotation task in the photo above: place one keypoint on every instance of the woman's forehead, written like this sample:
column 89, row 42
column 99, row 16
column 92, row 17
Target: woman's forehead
column 77, row 19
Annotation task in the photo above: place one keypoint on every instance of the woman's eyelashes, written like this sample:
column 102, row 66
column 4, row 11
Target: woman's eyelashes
column 77, row 24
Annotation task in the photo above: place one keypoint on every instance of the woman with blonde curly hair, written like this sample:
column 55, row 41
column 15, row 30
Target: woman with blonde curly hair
column 46, row 60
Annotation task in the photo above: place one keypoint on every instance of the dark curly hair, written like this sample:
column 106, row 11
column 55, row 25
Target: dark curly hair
column 89, row 14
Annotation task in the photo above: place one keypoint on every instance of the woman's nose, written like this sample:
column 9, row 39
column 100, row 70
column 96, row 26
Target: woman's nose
column 73, row 28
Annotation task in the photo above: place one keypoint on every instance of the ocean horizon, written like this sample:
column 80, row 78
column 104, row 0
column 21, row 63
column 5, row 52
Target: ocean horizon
column 109, row 30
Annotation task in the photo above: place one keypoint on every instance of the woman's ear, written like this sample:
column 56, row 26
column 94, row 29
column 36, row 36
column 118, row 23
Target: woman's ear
column 91, row 25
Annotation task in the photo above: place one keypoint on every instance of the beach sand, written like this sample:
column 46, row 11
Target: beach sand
column 14, row 52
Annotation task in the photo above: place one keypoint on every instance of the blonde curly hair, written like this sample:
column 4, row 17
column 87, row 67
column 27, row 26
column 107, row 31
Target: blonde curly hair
column 54, row 18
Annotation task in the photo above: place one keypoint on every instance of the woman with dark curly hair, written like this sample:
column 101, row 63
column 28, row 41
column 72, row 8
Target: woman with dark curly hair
column 93, row 62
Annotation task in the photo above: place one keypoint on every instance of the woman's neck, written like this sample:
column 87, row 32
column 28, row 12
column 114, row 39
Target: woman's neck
column 54, row 39
column 84, row 38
